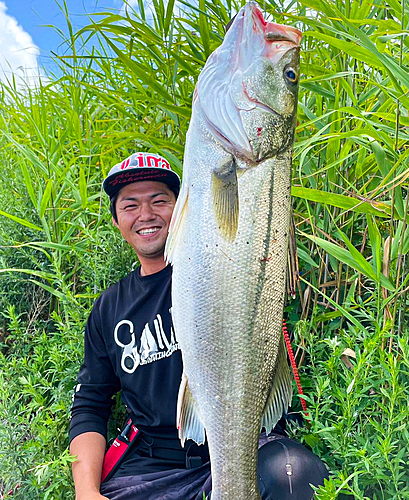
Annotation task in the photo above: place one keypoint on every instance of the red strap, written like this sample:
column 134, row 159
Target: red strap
column 294, row 366
column 114, row 453
column 117, row 450
column 134, row 432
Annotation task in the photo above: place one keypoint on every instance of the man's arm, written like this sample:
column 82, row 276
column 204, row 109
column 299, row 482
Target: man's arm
column 90, row 450
column 91, row 408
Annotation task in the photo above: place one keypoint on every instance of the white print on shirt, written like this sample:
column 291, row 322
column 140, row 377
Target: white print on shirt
column 130, row 357
column 76, row 389
column 154, row 344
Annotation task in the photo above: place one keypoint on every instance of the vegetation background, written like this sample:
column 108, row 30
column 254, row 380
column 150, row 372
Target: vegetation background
column 126, row 84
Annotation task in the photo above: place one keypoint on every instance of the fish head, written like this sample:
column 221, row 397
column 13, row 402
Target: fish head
column 248, row 89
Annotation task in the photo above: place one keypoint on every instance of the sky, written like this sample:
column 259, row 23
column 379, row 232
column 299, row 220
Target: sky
column 27, row 36
column 26, row 41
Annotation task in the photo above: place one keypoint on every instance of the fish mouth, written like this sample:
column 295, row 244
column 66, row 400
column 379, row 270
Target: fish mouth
column 273, row 32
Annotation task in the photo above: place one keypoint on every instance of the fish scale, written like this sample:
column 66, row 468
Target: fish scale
column 228, row 246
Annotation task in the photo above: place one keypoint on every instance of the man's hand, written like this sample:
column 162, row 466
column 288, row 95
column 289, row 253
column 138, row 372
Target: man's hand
column 86, row 470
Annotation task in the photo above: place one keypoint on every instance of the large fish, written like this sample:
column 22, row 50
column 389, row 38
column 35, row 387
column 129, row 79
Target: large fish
column 228, row 246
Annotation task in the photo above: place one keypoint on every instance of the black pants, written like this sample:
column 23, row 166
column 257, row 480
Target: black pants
column 285, row 471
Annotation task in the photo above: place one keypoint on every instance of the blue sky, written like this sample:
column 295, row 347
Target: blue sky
column 25, row 43
column 27, row 38
column 31, row 15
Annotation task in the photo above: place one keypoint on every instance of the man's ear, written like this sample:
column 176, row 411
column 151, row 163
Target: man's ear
column 115, row 223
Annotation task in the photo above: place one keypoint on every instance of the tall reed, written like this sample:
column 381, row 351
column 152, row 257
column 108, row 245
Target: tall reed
column 126, row 83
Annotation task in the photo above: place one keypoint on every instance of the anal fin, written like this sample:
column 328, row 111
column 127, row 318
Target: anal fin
column 188, row 421
column 281, row 391
column 225, row 198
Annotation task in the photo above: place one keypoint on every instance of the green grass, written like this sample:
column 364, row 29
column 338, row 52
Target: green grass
column 133, row 91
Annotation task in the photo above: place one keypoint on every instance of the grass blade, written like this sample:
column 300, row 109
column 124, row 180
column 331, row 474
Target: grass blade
column 23, row 222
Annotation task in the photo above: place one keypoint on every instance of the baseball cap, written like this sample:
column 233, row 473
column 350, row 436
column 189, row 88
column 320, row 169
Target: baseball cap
column 141, row 167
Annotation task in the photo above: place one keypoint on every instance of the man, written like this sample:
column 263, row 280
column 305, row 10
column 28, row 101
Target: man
column 130, row 346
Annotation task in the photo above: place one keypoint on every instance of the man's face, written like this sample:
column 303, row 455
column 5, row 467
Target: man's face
column 144, row 210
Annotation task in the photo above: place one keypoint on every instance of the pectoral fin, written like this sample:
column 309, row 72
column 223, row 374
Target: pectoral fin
column 226, row 199
column 281, row 391
column 188, row 422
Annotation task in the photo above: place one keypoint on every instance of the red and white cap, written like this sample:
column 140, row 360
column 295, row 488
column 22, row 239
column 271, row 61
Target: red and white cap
column 141, row 167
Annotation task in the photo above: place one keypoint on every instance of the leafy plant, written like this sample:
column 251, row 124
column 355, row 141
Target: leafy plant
column 126, row 83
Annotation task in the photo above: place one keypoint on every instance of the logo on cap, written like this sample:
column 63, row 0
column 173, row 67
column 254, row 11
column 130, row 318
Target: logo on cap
column 141, row 167
column 145, row 160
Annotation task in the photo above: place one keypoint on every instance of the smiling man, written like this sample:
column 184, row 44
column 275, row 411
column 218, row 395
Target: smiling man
column 143, row 213
column 131, row 346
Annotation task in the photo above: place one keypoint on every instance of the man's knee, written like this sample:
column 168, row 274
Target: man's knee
column 286, row 469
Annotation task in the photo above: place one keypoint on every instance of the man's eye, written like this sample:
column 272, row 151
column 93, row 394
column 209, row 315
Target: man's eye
column 159, row 201
column 128, row 207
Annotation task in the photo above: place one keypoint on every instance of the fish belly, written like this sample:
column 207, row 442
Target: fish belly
column 227, row 307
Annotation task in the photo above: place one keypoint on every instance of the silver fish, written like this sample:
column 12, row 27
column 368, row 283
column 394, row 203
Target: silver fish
column 228, row 245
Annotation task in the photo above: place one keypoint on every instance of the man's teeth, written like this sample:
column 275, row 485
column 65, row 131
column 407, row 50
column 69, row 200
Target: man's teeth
column 148, row 231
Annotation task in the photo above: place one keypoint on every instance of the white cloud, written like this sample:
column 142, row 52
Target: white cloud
column 18, row 53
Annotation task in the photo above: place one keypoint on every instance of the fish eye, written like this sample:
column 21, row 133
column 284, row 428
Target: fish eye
column 291, row 75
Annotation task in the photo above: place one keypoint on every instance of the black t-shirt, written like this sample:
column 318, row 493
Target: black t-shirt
column 130, row 345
